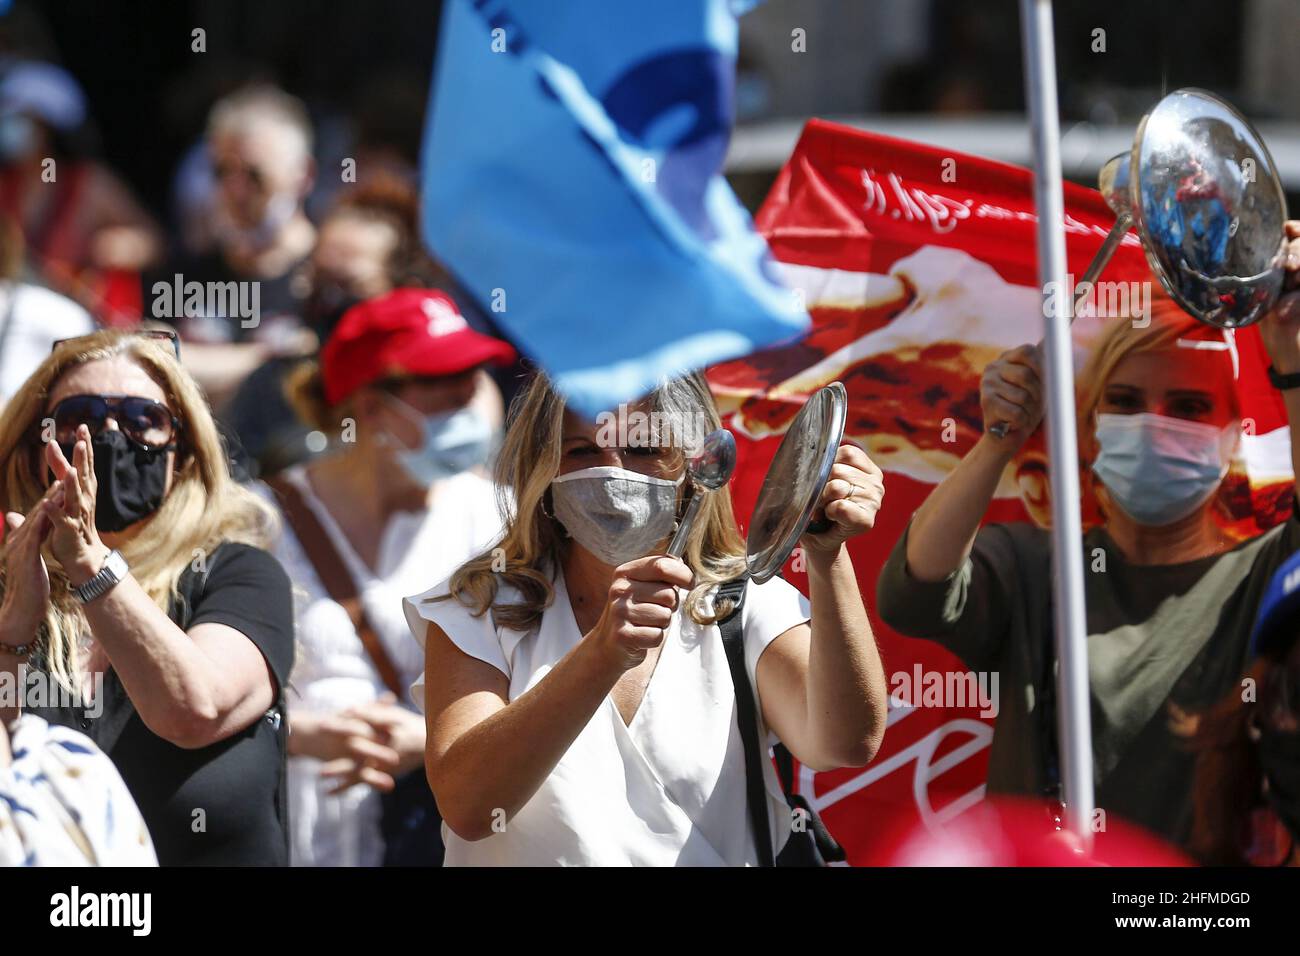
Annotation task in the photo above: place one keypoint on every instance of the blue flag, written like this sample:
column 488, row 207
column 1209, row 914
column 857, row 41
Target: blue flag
column 571, row 181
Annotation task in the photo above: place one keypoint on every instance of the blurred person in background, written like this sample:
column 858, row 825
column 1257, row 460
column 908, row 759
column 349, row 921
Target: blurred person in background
column 1247, row 786
column 259, row 142
column 134, row 578
column 86, row 235
column 378, row 136
column 400, row 386
column 366, row 246
column 32, row 318
column 187, row 103
column 63, row 803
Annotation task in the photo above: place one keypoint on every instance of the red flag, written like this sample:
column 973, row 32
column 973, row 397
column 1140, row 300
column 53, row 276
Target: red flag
column 918, row 266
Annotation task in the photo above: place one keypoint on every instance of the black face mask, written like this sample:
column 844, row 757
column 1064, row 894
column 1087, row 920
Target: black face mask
column 132, row 480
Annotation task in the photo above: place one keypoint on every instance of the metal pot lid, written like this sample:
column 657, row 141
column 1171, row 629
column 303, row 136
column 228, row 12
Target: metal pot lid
column 794, row 482
column 1209, row 207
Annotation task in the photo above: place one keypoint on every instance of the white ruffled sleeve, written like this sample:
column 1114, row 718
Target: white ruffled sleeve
column 475, row 636
column 770, row 609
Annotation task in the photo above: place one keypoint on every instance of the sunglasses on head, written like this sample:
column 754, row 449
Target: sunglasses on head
column 143, row 420
column 167, row 336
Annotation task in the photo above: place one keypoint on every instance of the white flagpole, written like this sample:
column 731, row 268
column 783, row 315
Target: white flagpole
column 1073, row 718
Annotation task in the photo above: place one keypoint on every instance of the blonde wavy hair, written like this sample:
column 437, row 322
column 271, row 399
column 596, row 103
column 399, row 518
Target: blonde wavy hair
column 534, row 542
column 204, row 508
column 1121, row 338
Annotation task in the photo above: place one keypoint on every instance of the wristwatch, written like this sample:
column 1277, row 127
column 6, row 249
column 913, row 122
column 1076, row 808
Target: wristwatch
column 1283, row 382
column 113, row 571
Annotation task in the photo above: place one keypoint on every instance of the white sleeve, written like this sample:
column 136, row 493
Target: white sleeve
column 475, row 636
column 770, row 609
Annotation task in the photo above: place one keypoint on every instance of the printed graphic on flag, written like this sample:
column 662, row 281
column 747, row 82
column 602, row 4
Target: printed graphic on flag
column 918, row 268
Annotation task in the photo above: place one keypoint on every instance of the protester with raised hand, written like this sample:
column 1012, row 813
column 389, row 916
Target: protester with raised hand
column 152, row 606
column 1170, row 595
column 579, row 704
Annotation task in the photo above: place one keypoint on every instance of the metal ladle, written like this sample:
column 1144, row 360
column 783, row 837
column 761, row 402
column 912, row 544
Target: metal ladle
column 708, row 471
column 1113, row 182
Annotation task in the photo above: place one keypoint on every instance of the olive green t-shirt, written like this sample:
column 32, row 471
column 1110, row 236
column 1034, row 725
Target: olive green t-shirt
column 1164, row 643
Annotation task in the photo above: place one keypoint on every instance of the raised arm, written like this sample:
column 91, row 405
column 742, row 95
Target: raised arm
column 943, row 528
column 1280, row 330
column 822, row 687
column 192, row 689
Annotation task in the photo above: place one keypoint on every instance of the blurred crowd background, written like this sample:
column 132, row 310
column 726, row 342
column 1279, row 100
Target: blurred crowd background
column 272, row 148
column 278, row 143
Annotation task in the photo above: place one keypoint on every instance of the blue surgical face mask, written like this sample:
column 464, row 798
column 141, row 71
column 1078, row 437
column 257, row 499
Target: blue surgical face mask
column 1159, row 470
column 453, row 442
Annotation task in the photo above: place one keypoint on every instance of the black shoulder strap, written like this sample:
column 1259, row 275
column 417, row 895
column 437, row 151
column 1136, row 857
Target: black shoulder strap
column 733, row 644
column 333, row 573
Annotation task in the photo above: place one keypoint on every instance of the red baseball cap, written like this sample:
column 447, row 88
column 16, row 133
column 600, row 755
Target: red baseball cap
column 403, row 334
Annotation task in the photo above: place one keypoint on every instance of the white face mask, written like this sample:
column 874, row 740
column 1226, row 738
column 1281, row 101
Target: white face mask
column 1159, row 470
column 614, row 513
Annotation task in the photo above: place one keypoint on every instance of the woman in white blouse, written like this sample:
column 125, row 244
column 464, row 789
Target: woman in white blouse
column 578, row 702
